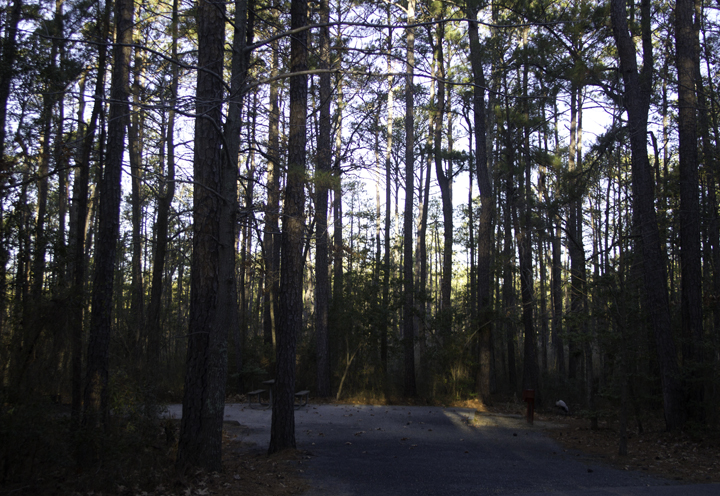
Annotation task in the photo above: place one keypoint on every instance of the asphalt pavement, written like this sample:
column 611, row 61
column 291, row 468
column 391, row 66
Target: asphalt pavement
column 411, row 450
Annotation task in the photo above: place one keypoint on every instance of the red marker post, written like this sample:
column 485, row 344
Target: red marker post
column 529, row 397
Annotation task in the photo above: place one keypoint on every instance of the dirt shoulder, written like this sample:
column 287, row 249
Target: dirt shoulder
column 692, row 457
column 679, row 456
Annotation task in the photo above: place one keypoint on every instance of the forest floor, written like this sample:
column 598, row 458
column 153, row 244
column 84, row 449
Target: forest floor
column 683, row 456
column 691, row 457
column 688, row 456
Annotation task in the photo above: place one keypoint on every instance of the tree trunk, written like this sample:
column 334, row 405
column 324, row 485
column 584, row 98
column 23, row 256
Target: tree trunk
column 154, row 331
column 38, row 266
column 7, row 63
column 200, row 439
column 78, row 223
column 637, row 99
column 531, row 372
column 556, row 276
column 408, row 286
column 557, row 299
column 33, row 308
column 338, row 248
column 96, row 393
column 272, row 229
column 445, row 183
column 388, row 200
column 421, row 268
column 707, row 119
column 575, row 246
column 471, row 236
column 282, row 431
column 686, row 38
column 487, row 213
column 135, row 149
column 322, row 179
column 508, row 290
column 543, row 307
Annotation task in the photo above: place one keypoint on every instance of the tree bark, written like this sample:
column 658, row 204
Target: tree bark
column 7, row 72
column 445, row 183
column 338, row 248
column 282, row 430
column 487, row 214
column 636, row 100
column 96, row 393
column 388, row 200
column 531, row 372
column 78, row 224
column 200, row 439
column 707, row 120
column 421, row 266
column 575, row 247
column 508, row 289
column 135, row 149
column 408, row 286
column 163, row 212
column 687, row 42
column 322, row 179
column 271, row 238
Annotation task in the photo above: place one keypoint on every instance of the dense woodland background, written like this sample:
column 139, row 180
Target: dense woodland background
column 197, row 197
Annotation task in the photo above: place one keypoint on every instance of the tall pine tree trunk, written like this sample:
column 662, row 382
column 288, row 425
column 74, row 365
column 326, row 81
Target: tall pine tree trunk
column 135, row 149
column 637, row 99
column 445, row 183
column 96, row 382
column 7, row 63
column 388, row 200
column 487, row 214
column 408, row 286
column 200, row 439
column 575, row 244
column 78, row 223
column 322, row 180
column 686, row 38
column 163, row 212
column 282, row 430
column 271, row 238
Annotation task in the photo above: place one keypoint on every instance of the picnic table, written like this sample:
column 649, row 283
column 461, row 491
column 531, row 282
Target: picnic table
column 301, row 397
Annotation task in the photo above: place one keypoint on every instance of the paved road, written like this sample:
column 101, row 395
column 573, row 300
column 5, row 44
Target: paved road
column 402, row 451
